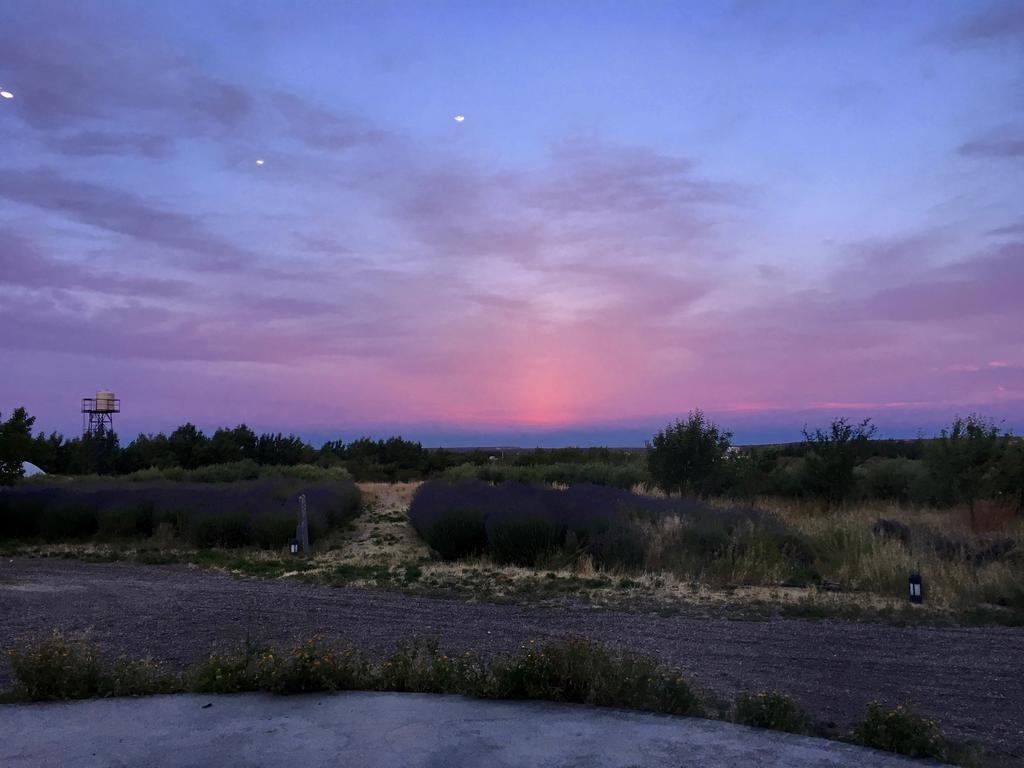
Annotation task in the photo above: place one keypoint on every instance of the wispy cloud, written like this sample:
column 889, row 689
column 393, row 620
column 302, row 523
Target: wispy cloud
column 992, row 22
column 91, row 143
column 994, row 147
column 123, row 213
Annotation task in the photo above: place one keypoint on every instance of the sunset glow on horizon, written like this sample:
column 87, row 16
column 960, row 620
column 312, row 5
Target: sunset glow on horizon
column 280, row 214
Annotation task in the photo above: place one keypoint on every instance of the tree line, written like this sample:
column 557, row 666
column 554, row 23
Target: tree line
column 969, row 460
column 188, row 447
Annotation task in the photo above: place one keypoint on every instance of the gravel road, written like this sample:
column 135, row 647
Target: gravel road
column 969, row 679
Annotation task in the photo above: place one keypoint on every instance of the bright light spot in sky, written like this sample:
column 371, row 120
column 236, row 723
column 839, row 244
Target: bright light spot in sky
column 459, row 118
column 7, row 94
column 259, row 162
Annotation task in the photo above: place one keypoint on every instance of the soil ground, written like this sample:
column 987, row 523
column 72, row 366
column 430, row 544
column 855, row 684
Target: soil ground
column 968, row 678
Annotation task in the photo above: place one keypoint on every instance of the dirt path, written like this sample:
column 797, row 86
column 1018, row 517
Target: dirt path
column 969, row 679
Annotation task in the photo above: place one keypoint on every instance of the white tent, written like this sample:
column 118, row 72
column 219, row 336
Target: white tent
column 31, row 469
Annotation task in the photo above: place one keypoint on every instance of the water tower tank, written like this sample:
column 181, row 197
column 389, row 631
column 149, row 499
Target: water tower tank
column 105, row 401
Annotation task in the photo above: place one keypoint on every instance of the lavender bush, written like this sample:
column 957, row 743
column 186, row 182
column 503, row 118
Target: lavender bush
column 527, row 525
column 261, row 513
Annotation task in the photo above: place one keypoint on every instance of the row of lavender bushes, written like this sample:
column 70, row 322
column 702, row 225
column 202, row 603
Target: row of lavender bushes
column 533, row 526
column 259, row 513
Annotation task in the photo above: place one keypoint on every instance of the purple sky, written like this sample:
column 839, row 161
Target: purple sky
column 778, row 212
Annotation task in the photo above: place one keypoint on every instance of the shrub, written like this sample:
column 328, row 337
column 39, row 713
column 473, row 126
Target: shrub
column 583, row 671
column 523, row 542
column 771, row 710
column 619, row 545
column 457, row 534
column 225, row 673
column 831, row 456
column 57, row 667
column 246, row 469
column 419, row 666
column 900, row 730
column 527, row 525
column 241, row 471
column 896, row 479
column 137, row 678
column 686, row 456
column 62, row 667
column 208, row 514
column 623, row 476
column 126, row 520
column 220, row 529
column 68, row 519
column 272, row 528
column 311, row 667
column 310, row 472
column 20, row 516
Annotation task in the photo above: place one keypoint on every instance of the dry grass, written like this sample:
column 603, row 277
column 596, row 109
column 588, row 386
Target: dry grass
column 858, row 560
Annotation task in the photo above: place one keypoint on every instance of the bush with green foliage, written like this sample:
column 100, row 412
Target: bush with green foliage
column 224, row 673
column 63, row 666
column 626, row 476
column 899, row 480
column 900, row 730
column 419, row 666
column 311, row 666
column 832, row 456
column 15, row 445
column 686, row 456
column 1008, row 478
column 583, row 671
column 769, row 709
column 964, row 460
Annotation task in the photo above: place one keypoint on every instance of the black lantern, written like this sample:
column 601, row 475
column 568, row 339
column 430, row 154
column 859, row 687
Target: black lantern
column 916, row 588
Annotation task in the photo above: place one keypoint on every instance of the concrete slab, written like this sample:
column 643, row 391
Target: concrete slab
column 392, row 730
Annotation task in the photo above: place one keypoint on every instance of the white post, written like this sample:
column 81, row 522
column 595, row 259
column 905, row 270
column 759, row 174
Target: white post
column 303, row 532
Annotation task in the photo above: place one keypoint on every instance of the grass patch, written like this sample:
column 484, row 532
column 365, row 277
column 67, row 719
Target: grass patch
column 902, row 731
column 63, row 666
column 585, row 672
column 771, row 710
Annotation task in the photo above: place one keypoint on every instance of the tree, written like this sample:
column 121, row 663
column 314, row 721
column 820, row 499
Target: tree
column 1009, row 476
column 963, row 460
column 51, row 453
column 147, row 451
column 99, row 452
column 748, row 474
column 832, row 455
column 278, row 449
column 685, row 456
column 228, row 445
column 15, row 445
column 187, row 443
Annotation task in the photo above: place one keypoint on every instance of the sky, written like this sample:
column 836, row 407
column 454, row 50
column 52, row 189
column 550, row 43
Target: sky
column 780, row 213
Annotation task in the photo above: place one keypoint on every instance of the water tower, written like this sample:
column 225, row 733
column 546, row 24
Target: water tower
column 99, row 413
